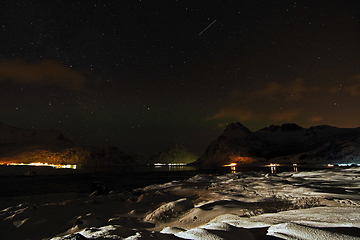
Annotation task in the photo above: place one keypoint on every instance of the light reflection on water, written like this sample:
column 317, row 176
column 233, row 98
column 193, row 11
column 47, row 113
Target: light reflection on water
column 138, row 168
column 171, row 168
column 184, row 168
column 272, row 168
column 229, row 169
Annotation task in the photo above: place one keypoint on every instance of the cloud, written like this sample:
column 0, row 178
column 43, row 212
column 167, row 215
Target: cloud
column 354, row 89
column 47, row 72
column 263, row 103
column 275, row 91
column 316, row 119
column 356, row 77
column 281, row 116
column 239, row 114
column 247, row 115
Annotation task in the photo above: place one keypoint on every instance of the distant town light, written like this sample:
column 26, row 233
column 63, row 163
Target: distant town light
column 40, row 164
column 170, row 164
column 348, row 164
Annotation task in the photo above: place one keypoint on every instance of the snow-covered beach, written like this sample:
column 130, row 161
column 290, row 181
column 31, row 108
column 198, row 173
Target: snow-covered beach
column 321, row 204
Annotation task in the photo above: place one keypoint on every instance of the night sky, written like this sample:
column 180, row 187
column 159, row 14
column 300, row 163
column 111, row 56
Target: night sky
column 146, row 75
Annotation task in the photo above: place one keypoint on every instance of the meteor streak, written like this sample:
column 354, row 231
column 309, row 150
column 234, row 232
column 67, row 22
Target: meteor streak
column 207, row 27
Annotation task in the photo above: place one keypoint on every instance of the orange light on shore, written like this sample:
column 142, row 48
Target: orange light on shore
column 274, row 165
column 231, row 165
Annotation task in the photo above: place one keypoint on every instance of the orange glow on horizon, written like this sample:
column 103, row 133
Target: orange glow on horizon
column 240, row 160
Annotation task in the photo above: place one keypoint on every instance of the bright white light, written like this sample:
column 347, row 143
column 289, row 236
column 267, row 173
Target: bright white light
column 169, row 164
column 159, row 164
column 347, row 164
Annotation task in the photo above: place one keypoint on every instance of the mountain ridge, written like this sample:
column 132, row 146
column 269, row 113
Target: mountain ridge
column 288, row 143
column 19, row 145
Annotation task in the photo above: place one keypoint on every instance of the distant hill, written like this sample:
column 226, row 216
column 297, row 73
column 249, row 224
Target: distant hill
column 174, row 155
column 288, row 143
column 27, row 145
column 12, row 138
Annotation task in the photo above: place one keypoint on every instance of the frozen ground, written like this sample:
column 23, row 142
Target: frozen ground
column 320, row 204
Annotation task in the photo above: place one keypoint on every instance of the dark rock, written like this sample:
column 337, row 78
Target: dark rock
column 291, row 127
column 99, row 188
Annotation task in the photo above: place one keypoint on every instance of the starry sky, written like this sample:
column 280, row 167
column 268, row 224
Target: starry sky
column 144, row 75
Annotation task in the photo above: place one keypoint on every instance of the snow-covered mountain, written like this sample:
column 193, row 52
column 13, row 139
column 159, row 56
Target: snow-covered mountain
column 50, row 146
column 288, row 143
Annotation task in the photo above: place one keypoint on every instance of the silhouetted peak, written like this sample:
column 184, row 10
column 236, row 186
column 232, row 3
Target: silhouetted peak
column 291, row 127
column 272, row 128
column 179, row 146
column 286, row 127
column 237, row 126
column 320, row 127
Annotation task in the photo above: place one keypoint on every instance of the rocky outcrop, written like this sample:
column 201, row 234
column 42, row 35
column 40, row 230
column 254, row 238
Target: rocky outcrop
column 288, row 143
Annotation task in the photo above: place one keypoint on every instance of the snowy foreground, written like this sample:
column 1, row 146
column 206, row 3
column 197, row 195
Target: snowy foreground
column 322, row 204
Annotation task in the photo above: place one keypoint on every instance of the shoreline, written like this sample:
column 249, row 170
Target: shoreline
column 36, row 180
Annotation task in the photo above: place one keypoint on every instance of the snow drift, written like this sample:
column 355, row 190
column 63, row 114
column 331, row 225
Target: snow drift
column 203, row 207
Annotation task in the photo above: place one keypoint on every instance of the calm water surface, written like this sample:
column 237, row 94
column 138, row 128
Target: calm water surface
column 195, row 169
column 118, row 179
